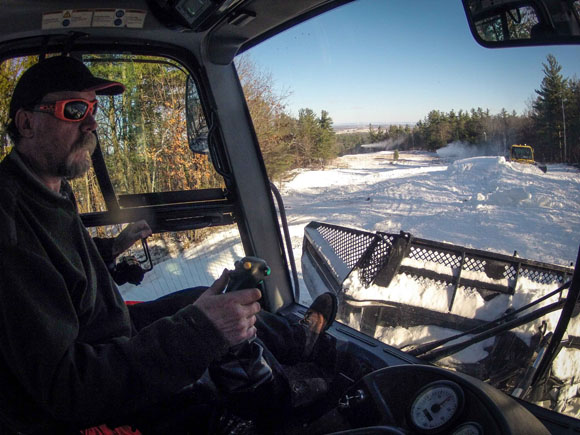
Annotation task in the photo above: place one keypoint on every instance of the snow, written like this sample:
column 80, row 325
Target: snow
column 484, row 202
column 481, row 202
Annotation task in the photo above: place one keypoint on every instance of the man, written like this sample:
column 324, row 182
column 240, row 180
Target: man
column 72, row 355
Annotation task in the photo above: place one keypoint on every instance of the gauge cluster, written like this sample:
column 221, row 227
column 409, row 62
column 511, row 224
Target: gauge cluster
column 436, row 406
column 430, row 400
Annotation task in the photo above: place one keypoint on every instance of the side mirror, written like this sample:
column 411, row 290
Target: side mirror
column 197, row 129
column 502, row 23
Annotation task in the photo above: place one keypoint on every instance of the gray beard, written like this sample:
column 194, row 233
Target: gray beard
column 72, row 168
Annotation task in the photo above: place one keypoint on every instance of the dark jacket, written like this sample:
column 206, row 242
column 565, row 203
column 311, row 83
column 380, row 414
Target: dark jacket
column 69, row 351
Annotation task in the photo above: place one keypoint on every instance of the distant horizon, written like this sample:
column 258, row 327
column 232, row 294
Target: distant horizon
column 361, row 62
column 373, row 123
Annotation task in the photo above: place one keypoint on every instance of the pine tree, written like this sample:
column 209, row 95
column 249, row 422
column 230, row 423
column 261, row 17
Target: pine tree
column 572, row 108
column 547, row 110
column 326, row 144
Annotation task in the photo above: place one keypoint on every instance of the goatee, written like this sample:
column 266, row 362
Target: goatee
column 78, row 162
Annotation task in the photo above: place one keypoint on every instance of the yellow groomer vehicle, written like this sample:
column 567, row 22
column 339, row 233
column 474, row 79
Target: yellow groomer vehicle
column 525, row 154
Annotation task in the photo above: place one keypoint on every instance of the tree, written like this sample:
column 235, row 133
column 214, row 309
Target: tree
column 547, row 110
column 572, row 113
column 307, row 131
column 10, row 72
column 326, row 142
column 275, row 128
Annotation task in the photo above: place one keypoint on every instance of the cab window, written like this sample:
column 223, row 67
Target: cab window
column 146, row 161
column 388, row 131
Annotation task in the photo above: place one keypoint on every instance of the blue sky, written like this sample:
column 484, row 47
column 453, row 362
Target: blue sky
column 392, row 61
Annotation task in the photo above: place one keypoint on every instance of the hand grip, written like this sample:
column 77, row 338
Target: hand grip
column 248, row 273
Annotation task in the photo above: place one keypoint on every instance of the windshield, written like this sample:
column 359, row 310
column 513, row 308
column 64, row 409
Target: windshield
column 388, row 131
column 522, row 153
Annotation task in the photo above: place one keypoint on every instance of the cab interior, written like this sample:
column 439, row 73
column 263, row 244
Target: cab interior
column 203, row 137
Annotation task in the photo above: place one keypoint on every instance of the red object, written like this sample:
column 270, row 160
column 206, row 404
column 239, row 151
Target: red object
column 106, row 430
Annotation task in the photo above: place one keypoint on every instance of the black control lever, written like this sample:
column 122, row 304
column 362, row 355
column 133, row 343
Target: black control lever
column 248, row 272
column 244, row 367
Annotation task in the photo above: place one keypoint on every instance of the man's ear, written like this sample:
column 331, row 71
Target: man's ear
column 23, row 122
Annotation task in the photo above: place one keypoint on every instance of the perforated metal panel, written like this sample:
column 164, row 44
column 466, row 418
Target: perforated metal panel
column 543, row 276
column 370, row 253
column 436, row 256
column 374, row 261
column 349, row 245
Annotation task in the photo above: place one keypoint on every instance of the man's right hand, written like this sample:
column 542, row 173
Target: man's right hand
column 234, row 314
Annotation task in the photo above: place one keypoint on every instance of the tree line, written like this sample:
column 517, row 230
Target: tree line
column 551, row 124
column 143, row 132
column 286, row 142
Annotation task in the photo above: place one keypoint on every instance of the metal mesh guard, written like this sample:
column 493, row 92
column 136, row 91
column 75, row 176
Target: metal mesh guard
column 349, row 246
column 370, row 252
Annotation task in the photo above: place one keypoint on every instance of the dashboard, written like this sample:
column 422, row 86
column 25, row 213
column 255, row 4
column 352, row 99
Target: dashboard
column 423, row 399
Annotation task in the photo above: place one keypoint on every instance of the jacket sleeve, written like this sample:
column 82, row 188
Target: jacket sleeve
column 145, row 313
column 105, row 247
column 86, row 382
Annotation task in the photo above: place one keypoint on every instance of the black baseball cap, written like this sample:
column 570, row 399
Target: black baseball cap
column 55, row 74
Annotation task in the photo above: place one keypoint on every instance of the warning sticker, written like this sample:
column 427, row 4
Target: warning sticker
column 74, row 18
column 67, row 18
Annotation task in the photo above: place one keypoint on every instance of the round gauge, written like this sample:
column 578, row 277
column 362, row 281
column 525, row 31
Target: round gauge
column 436, row 406
column 470, row 428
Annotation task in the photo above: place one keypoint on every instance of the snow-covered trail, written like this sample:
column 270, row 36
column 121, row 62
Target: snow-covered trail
column 483, row 203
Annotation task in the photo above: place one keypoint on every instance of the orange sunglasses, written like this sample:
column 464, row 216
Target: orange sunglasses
column 72, row 110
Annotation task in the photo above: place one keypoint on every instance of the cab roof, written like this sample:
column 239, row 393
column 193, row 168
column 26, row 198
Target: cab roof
column 226, row 28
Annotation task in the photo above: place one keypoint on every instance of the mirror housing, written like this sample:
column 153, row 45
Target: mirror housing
column 503, row 23
column 196, row 15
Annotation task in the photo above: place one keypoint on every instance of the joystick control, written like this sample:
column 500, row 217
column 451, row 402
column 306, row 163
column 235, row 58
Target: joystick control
column 244, row 367
column 248, row 272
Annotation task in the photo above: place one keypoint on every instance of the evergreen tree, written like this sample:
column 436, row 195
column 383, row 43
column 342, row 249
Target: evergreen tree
column 326, row 141
column 547, row 111
column 572, row 113
column 307, row 136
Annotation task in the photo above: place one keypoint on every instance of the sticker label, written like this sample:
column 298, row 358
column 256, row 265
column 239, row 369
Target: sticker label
column 74, row 18
column 67, row 18
column 135, row 18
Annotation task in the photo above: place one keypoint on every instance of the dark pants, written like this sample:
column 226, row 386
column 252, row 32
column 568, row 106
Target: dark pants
column 284, row 340
column 282, row 343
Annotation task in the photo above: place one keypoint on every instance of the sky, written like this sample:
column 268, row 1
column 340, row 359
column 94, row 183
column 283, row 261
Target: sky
column 393, row 61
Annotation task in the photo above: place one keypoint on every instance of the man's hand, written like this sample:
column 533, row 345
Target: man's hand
column 234, row 314
column 130, row 234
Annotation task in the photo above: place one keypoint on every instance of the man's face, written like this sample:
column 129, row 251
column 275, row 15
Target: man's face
column 64, row 148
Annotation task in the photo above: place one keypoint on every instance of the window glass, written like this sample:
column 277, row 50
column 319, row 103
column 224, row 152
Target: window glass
column 516, row 23
column 174, row 261
column 388, row 131
column 144, row 139
column 144, row 142
column 143, row 132
column 10, row 72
